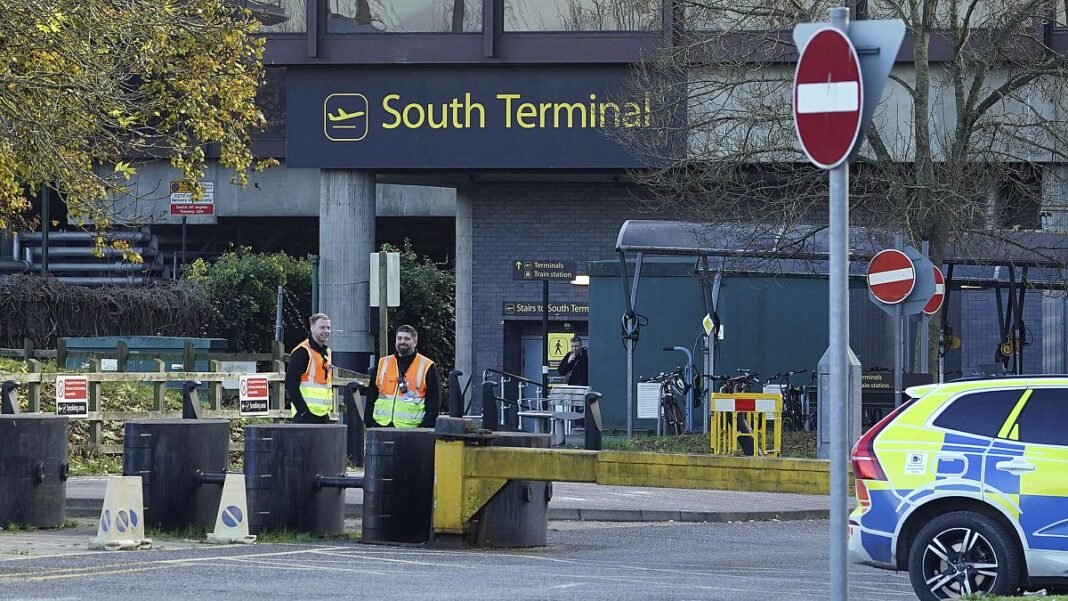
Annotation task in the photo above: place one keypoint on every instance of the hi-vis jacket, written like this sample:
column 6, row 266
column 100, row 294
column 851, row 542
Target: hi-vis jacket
column 315, row 382
column 401, row 399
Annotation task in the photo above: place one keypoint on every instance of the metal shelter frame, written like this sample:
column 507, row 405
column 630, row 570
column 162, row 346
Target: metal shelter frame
column 743, row 248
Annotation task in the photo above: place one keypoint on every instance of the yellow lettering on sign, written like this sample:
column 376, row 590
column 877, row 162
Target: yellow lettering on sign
column 392, row 111
column 524, row 112
column 507, row 98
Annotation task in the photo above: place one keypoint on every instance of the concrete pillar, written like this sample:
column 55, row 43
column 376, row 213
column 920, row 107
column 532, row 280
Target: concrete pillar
column 464, row 359
column 346, row 239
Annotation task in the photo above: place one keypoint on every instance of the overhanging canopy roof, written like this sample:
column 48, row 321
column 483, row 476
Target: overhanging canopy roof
column 805, row 249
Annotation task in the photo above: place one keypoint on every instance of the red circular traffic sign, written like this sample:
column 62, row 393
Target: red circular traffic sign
column 939, row 295
column 828, row 98
column 891, row 276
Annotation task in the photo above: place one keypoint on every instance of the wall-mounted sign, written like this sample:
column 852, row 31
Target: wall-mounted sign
column 418, row 117
column 72, row 396
column 533, row 309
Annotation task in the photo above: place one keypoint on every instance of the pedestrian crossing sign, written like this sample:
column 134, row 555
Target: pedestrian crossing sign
column 559, row 345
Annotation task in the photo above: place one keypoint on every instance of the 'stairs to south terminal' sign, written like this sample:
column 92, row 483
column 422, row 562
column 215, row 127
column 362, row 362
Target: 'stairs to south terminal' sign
column 441, row 117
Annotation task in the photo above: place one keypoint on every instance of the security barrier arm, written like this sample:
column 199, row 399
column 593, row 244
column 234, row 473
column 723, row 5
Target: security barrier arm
column 467, row 475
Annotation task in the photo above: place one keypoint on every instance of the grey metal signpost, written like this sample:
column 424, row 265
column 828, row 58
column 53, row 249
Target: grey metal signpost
column 875, row 54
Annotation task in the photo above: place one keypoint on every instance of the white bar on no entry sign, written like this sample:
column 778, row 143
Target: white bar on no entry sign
column 830, row 97
column 885, row 277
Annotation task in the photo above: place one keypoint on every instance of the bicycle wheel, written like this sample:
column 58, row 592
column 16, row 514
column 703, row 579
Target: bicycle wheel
column 674, row 421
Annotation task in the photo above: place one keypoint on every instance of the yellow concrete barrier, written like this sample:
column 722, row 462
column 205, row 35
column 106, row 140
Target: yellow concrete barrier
column 467, row 476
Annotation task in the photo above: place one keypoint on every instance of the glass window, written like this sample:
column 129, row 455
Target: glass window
column 1042, row 418
column 403, row 16
column 980, row 413
column 752, row 15
column 582, row 15
column 279, row 16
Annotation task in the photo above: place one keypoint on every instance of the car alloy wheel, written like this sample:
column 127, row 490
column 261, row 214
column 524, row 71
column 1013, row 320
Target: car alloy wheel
column 961, row 554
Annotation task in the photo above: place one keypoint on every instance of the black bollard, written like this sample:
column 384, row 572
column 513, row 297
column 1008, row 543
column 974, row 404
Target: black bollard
column 175, row 458
column 593, row 421
column 456, row 394
column 398, row 485
column 491, row 419
column 9, row 405
column 354, row 421
column 284, row 467
column 190, row 400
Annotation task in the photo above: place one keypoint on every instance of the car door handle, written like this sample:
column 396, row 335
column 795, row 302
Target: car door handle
column 1016, row 466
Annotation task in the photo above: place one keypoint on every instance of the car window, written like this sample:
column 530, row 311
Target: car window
column 982, row 413
column 1042, row 418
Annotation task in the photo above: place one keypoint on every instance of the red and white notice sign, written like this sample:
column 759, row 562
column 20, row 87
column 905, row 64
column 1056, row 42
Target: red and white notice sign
column 72, row 396
column 254, row 396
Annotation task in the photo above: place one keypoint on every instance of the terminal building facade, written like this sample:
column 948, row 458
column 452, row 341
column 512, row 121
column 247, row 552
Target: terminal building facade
column 484, row 131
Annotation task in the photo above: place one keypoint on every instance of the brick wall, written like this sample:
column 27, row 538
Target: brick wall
column 538, row 220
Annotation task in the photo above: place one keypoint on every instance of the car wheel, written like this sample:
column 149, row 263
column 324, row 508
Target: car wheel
column 962, row 554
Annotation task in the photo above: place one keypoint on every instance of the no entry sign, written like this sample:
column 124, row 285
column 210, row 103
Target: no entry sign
column 891, row 276
column 939, row 295
column 828, row 98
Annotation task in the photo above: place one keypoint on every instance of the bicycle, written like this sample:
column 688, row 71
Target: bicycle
column 672, row 388
column 795, row 414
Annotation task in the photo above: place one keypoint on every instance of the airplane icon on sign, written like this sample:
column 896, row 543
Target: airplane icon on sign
column 344, row 116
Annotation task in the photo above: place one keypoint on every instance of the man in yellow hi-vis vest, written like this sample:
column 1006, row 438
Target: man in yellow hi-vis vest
column 405, row 387
column 309, row 375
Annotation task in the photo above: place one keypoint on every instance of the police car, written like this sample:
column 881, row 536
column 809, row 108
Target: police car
column 965, row 486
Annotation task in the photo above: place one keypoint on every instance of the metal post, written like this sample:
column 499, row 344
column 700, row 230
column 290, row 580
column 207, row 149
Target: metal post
column 456, row 394
column 190, row 400
column 46, row 223
column 278, row 314
column 545, row 337
column 899, row 351
column 924, row 327
column 593, row 422
column 183, row 240
column 383, row 306
column 9, row 405
column 839, row 351
column 490, row 418
column 630, row 388
column 314, row 284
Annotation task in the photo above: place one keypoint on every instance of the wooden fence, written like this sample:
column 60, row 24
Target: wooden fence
column 122, row 354
column 34, row 380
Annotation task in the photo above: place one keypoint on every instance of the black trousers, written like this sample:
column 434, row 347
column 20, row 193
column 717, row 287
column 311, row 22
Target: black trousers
column 308, row 417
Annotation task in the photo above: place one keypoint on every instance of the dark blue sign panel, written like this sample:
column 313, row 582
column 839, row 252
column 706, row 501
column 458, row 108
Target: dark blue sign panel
column 462, row 118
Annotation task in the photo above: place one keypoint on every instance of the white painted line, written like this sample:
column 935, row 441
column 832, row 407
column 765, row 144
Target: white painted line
column 886, row 277
column 830, row 97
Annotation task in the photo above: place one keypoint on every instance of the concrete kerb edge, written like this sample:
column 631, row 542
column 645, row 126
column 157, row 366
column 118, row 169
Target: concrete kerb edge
column 90, row 508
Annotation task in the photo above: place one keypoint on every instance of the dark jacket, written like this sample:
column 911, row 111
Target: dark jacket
column 577, row 369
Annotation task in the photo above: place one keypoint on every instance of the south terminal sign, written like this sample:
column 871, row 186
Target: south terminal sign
column 450, row 117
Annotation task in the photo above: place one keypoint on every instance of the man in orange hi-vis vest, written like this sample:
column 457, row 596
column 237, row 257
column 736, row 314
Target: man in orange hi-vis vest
column 405, row 387
column 309, row 375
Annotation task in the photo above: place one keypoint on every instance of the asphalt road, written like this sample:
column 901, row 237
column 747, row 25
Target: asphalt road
column 587, row 561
